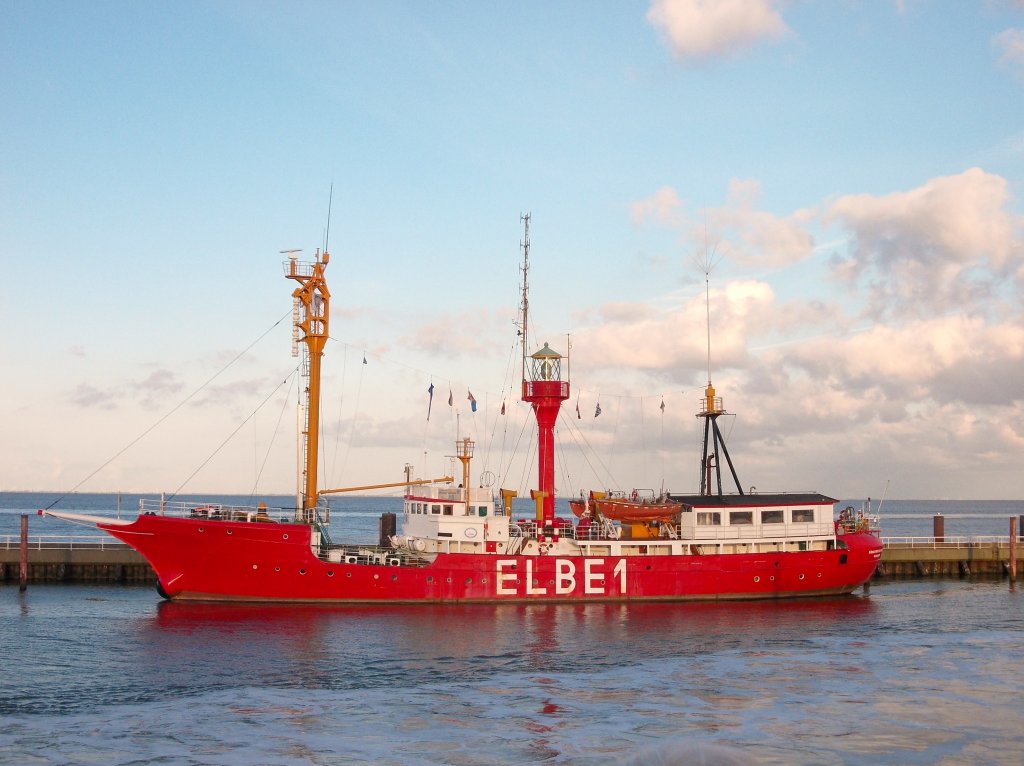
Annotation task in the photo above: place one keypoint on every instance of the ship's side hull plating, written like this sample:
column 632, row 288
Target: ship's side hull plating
column 246, row 561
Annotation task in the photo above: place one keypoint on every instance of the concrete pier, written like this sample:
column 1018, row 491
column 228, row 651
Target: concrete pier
column 947, row 559
column 75, row 563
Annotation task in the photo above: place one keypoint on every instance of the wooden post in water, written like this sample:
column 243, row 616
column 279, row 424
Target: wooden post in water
column 23, row 558
column 1013, row 548
column 939, row 528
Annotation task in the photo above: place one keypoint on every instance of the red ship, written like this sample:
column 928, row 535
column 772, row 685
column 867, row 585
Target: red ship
column 460, row 543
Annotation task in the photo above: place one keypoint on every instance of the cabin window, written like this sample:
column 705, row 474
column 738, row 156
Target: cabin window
column 803, row 515
column 772, row 517
column 448, row 510
column 435, row 508
column 708, row 519
column 482, row 510
column 741, row 517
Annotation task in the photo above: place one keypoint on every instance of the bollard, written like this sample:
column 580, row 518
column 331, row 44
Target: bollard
column 1013, row 548
column 939, row 528
column 23, row 558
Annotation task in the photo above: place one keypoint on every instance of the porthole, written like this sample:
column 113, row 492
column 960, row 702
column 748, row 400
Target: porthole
column 200, row 529
column 483, row 581
column 772, row 578
column 394, row 578
column 801, row 576
column 284, row 536
column 469, row 580
column 449, row 579
column 230, row 532
column 348, row 574
column 254, row 566
column 330, row 573
column 277, row 569
column 376, row 577
column 302, row 571
column 819, row 574
column 757, row 579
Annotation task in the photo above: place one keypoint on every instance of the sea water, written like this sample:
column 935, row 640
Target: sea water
column 909, row 672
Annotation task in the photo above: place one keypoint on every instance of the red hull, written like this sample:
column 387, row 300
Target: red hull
column 245, row 561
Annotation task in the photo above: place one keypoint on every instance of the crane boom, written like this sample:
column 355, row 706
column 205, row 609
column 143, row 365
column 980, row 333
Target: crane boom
column 417, row 482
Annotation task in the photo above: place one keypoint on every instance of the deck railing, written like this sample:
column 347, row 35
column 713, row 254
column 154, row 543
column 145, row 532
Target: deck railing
column 946, row 542
column 105, row 542
column 64, row 542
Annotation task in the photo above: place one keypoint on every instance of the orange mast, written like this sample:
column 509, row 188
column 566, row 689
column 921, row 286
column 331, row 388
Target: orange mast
column 311, row 316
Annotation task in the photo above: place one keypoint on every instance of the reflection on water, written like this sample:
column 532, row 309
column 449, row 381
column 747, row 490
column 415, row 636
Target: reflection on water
column 342, row 647
column 916, row 673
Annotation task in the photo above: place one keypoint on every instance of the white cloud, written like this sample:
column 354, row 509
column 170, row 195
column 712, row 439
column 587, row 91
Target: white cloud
column 1009, row 44
column 760, row 237
column 700, row 29
column 664, row 206
column 673, row 344
column 932, row 400
column 938, row 247
column 737, row 229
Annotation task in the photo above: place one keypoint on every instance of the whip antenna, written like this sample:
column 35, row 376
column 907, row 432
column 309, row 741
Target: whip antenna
column 330, row 199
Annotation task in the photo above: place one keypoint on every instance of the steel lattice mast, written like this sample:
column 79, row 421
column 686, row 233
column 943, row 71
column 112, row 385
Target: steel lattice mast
column 311, row 318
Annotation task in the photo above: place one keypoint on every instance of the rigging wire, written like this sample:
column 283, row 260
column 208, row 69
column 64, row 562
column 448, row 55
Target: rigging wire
column 232, row 434
column 273, row 438
column 355, row 415
column 609, row 481
column 341, row 409
column 174, row 409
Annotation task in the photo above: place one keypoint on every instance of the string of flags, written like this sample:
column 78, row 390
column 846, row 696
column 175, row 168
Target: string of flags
column 473, row 402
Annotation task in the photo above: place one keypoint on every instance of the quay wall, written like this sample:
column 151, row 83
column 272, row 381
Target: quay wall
column 107, row 564
column 942, row 559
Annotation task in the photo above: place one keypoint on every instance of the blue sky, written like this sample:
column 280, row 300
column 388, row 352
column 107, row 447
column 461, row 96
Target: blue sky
column 852, row 170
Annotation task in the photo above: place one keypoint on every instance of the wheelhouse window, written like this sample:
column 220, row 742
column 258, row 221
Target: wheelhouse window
column 482, row 510
column 708, row 518
column 803, row 515
column 741, row 517
column 772, row 517
column 448, row 510
column 435, row 508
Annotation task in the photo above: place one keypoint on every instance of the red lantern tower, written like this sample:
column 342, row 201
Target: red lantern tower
column 544, row 388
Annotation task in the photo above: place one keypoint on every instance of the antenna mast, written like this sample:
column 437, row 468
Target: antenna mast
column 707, row 308
column 330, row 199
column 711, row 408
column 525, row 306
